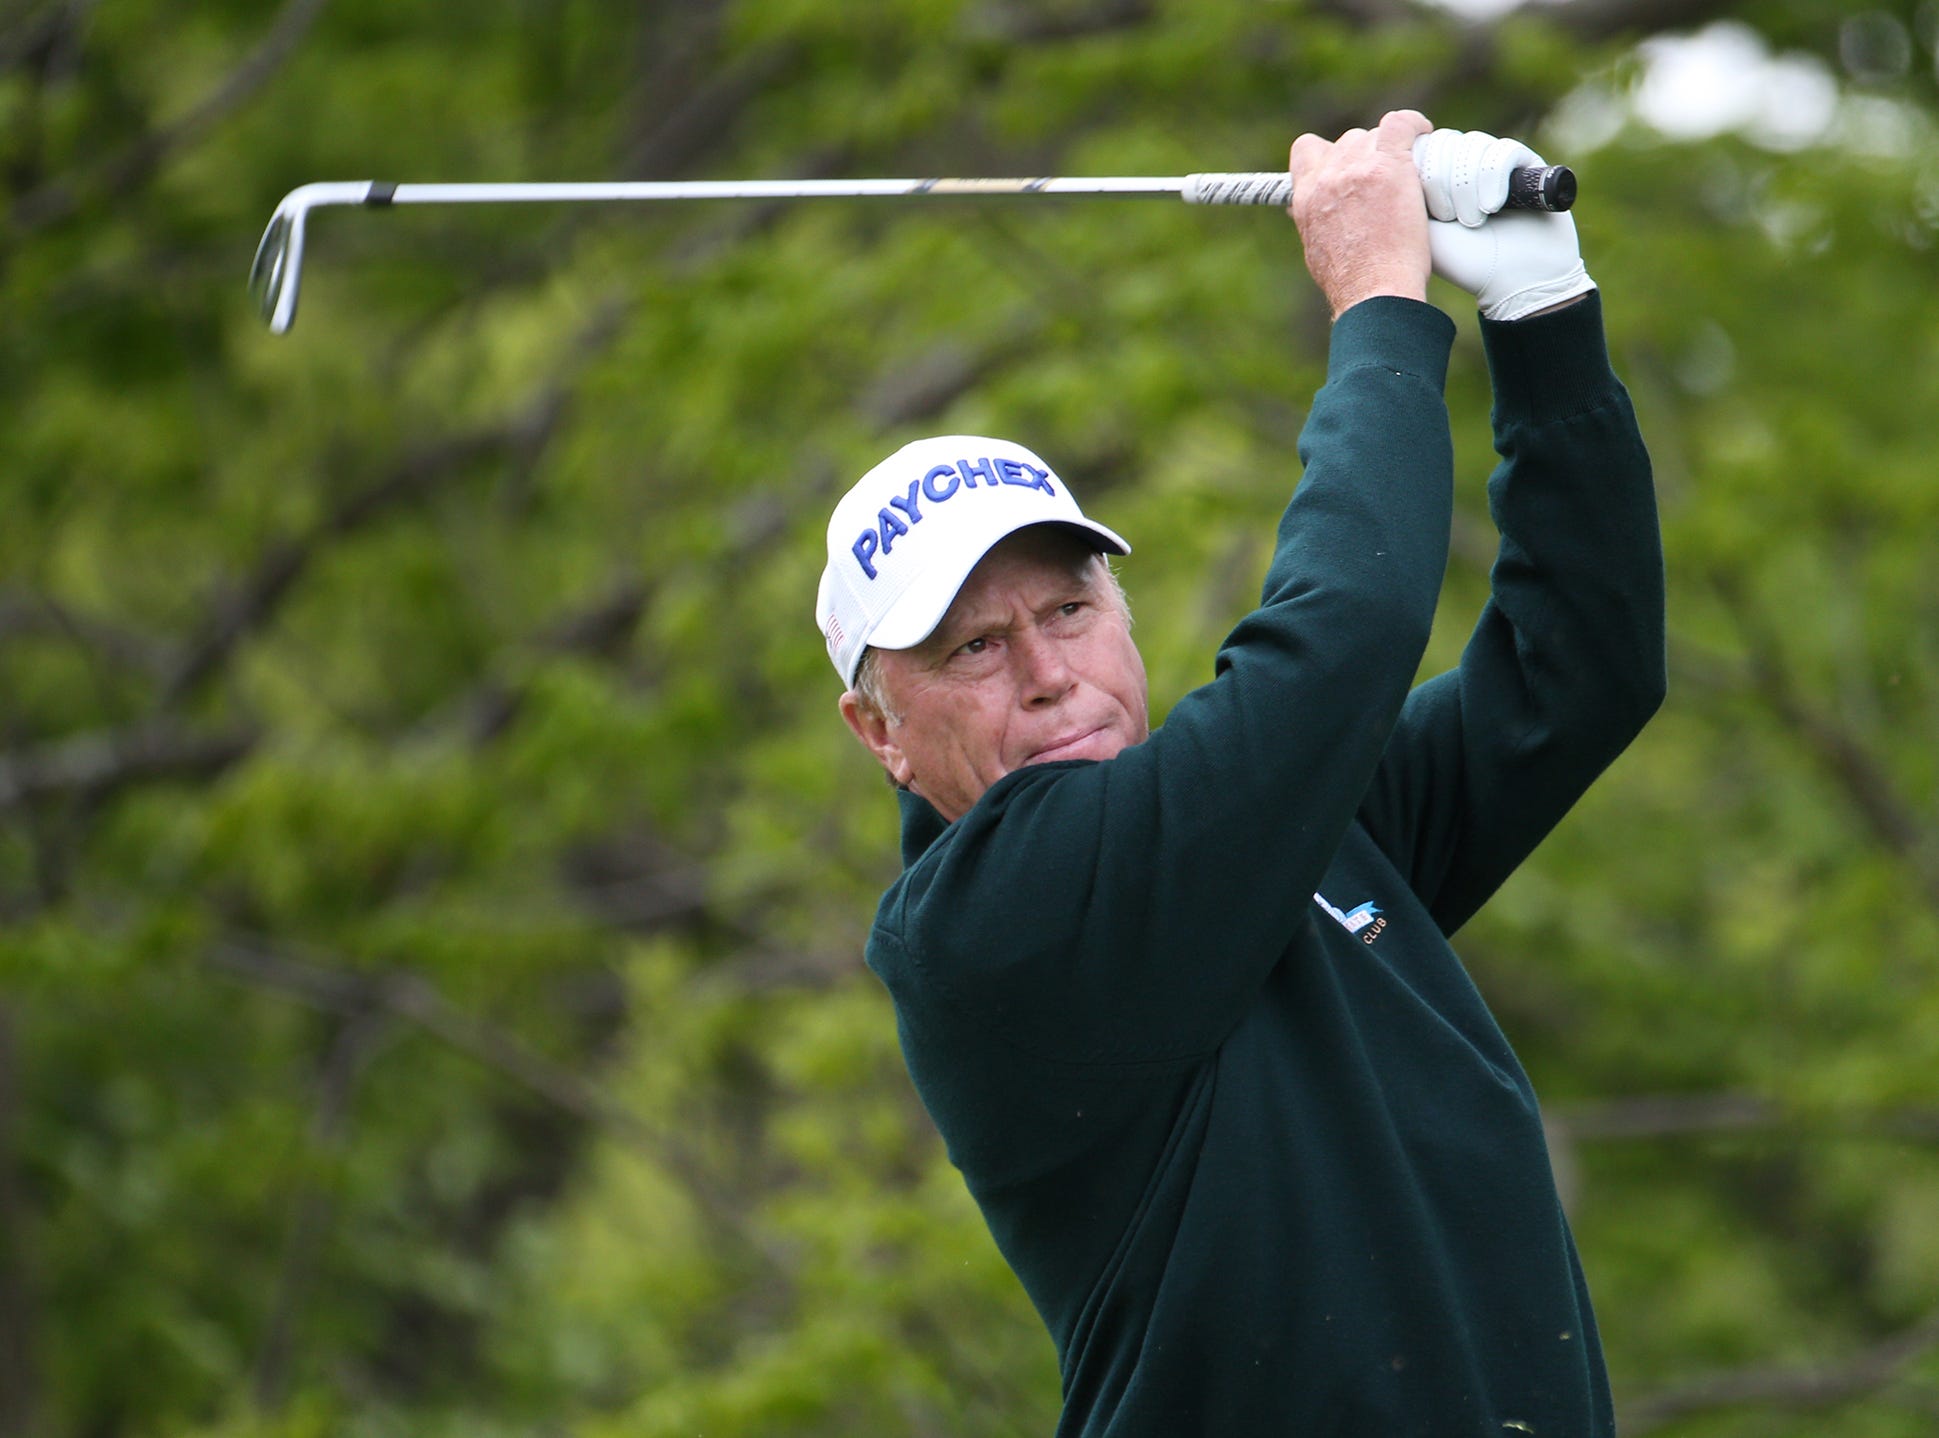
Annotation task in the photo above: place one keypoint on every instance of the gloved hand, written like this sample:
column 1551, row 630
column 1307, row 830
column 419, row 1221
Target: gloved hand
column 1513, row 262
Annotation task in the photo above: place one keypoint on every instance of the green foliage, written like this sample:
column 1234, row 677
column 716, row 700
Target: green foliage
column 433, row 874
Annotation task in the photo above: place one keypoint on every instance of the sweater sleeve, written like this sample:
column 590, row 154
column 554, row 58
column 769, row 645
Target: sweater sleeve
column 1129, row 911
column 1566, row 663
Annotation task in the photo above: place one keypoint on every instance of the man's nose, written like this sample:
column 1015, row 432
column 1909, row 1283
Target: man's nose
column 1045, row 675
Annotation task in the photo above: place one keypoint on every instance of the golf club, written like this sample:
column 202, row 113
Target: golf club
column 278, row 268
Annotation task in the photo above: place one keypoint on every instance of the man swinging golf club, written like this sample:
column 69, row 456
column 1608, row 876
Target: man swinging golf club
column 1181, row 1001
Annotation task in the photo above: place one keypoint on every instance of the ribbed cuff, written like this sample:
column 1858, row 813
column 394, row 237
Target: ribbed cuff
column 1406, row 336
column 1549, row 366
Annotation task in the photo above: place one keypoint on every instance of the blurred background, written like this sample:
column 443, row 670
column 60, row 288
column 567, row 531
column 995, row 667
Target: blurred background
column 433, row 875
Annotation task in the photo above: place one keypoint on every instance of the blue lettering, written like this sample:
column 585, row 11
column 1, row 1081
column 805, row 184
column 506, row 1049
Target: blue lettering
column 864, row 546
column 944, row 471
column 970, row 471
column 1015, row 471
column 910, row 506
column 893, row 520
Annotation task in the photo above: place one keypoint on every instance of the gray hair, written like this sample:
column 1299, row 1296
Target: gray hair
column 868, row 685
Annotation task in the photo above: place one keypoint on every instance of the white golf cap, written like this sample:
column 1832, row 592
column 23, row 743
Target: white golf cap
column 903, row 540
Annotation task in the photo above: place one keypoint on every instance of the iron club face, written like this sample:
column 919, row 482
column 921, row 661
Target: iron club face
column 272, row 279
column 276, row 274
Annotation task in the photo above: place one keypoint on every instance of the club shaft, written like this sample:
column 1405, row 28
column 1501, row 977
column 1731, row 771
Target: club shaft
column 382, row 193
column 1273, row 187
column 277, row 271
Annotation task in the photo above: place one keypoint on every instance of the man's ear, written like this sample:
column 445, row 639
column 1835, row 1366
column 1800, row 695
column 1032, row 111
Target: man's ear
column 871, row 726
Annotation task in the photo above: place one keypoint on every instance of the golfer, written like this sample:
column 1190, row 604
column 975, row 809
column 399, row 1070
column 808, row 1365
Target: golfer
column 1181, row 1001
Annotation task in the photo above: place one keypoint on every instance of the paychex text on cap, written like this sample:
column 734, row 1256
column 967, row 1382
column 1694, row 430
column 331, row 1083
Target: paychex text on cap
column 938, row 486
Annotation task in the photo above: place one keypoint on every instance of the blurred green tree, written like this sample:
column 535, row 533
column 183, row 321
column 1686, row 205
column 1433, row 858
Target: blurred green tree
column 433, row 876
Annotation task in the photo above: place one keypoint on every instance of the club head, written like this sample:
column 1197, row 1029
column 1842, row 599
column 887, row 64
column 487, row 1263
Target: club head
column 278, row 268
column 277, row 271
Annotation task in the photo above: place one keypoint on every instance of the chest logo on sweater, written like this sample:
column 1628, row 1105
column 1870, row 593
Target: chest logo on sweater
column 1366, row 921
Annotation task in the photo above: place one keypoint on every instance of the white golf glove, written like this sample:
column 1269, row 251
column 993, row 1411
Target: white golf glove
column 1514, row 262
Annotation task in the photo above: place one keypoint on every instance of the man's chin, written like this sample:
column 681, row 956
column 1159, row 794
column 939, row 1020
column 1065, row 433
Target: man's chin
column 1098, row 744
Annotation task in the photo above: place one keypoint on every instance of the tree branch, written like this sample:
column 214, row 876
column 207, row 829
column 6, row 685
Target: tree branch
column 417, row 1000
column 282, row 563
column 703, row 114
column 138, row 162
column 416, row 476
column 1591, row 22
column 27, row 614
column 1717, row 1114
column 765, row 969
column 1665, row 1116
column 311, row 1209
column 1614, row 19
column 1841, row 755
column 19, row 1388
column 46, row 40
column 1820, row 1386
column 1030, row 25
column 94, row 766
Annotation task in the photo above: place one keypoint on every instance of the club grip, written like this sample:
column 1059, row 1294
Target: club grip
column 1535, row 187
column 1540, row 187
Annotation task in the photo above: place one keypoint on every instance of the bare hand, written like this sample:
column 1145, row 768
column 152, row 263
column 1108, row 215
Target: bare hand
column 1357, row 202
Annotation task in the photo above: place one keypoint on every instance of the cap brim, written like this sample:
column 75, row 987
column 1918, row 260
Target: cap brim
column 922, row 606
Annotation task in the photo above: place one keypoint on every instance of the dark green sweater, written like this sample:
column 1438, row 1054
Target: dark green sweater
column 1264, row 1167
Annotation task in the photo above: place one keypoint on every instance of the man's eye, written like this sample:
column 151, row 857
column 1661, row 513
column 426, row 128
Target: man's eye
column 975, row 646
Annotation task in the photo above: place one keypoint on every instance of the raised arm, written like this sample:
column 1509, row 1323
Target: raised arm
column 1567, row 661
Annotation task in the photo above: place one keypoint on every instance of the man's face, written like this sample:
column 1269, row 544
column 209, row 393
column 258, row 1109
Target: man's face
column 1033, row 662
